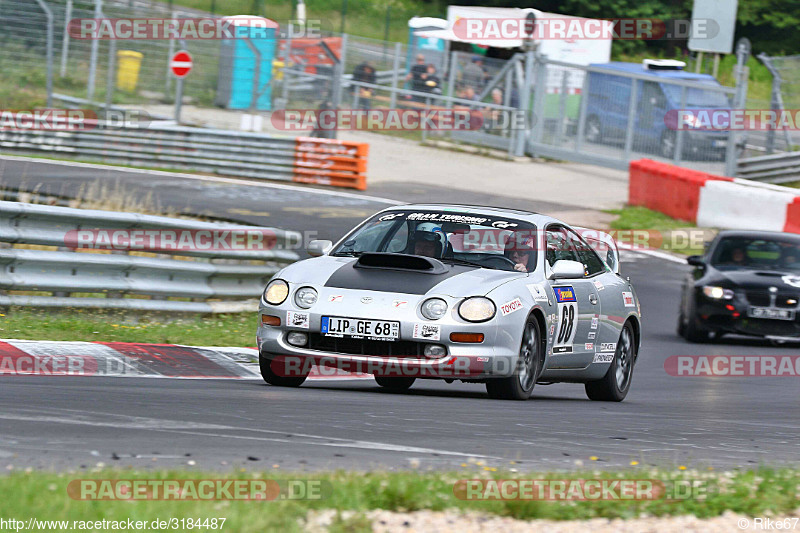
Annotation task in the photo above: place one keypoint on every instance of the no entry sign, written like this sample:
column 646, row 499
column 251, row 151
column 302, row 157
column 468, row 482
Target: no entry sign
column 181, row 64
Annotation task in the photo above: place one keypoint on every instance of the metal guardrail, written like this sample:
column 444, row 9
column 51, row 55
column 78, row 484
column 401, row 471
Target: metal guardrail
column 777, row 168
column 230, row 153
column 161, row 274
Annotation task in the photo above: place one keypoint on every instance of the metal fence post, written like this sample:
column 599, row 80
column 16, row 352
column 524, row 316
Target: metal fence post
column 451, row 81
column 170, row 53
column 110, row 82
column 539, row 95
column 49, row 14
column 65, row 41
column 582, row 112
column 631, row 117
column 525, row 100
column 679, row 135
column 741, row 73
column 395, row 76
column 98, row 13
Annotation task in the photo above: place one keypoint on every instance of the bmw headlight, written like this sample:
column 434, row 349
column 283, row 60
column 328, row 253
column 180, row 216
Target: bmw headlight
column 305, row 297
column 433, row 308
column 276, row 292
column 477, row 309
column 718, row 293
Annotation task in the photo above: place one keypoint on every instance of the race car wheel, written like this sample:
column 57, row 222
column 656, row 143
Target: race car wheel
column 519, row 385
column 692, row 332
column 614, row 386
column 269, row 373
column 395, row 384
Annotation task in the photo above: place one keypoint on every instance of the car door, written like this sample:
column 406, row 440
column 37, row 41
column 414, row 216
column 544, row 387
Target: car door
column 577, row 304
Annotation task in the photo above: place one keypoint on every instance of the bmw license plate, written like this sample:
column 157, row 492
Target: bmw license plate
column 379, row 330
column 719, row 144
column 770, row 313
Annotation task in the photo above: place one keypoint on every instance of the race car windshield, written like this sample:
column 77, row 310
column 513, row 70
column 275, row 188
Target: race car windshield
column 757, row 254
column 483, row 240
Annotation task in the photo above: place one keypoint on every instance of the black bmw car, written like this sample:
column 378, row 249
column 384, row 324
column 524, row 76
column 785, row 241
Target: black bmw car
column 748, row 283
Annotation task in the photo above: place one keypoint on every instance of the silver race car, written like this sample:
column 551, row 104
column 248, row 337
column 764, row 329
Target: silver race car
column 478, row 294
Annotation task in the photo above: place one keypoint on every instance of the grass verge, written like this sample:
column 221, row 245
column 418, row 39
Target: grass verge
column 641, row 226
column 236, row 329
column 44, row 496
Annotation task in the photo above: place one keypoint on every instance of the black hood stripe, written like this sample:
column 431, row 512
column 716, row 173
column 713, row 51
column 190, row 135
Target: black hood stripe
column 391, row 280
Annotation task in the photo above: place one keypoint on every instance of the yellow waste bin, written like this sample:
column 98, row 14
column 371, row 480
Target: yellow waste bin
column 277, row 69
column 128, row 65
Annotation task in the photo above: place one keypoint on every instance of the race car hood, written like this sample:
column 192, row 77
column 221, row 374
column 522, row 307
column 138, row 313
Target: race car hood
column 750, row 279
column 446, row 279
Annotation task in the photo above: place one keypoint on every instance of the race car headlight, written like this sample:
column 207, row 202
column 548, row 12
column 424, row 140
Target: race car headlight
column 717, row 293
column 305, row 297
column 477, row 309
column 433, row 308
column 276, row 292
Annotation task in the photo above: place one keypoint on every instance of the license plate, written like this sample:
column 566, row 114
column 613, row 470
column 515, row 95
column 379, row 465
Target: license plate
column 770, row 313
column 719, row 144
column 379, row 330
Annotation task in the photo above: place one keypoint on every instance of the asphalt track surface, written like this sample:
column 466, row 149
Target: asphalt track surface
column 723, row 422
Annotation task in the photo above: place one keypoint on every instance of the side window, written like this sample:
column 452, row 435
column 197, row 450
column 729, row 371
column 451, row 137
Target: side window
column 592, row 264
column 559, row 247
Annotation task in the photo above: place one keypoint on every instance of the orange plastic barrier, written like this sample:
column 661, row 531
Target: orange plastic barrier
column 669, row 189
column 331, row 162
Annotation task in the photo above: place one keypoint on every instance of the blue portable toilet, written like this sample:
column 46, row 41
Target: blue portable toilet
column 237, row 63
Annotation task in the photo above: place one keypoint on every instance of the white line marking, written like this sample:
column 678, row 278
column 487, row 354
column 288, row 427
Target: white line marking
column 652, row 253
column 175, row 426
column 216, row 179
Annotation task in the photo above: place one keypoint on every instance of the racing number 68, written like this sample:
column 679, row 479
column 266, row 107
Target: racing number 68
column 567, row 323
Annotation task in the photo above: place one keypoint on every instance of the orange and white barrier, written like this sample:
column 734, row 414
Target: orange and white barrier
column 713, row 201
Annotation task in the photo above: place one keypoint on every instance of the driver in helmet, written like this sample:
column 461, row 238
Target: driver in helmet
column 519, row 249
column 429, row 240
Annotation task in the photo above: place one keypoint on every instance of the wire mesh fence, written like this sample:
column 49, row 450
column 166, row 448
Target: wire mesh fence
column 568, row 111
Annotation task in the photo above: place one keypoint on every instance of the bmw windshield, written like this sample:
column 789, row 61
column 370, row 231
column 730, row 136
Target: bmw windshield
column 485, row 241
column 738, row 253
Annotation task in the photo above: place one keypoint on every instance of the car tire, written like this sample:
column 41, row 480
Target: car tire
column 273, row 378
column 614, row 386
column 692, row 331
column 395, row 384
column 593, row 131
column 519, row 385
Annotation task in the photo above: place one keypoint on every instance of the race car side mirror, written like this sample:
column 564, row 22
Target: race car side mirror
column 565, row 269
column 319, row 248
column 696, row 261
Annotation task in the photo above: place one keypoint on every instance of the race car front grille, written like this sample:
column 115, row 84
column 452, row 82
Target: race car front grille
column 317, row 341
column 782, row 300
